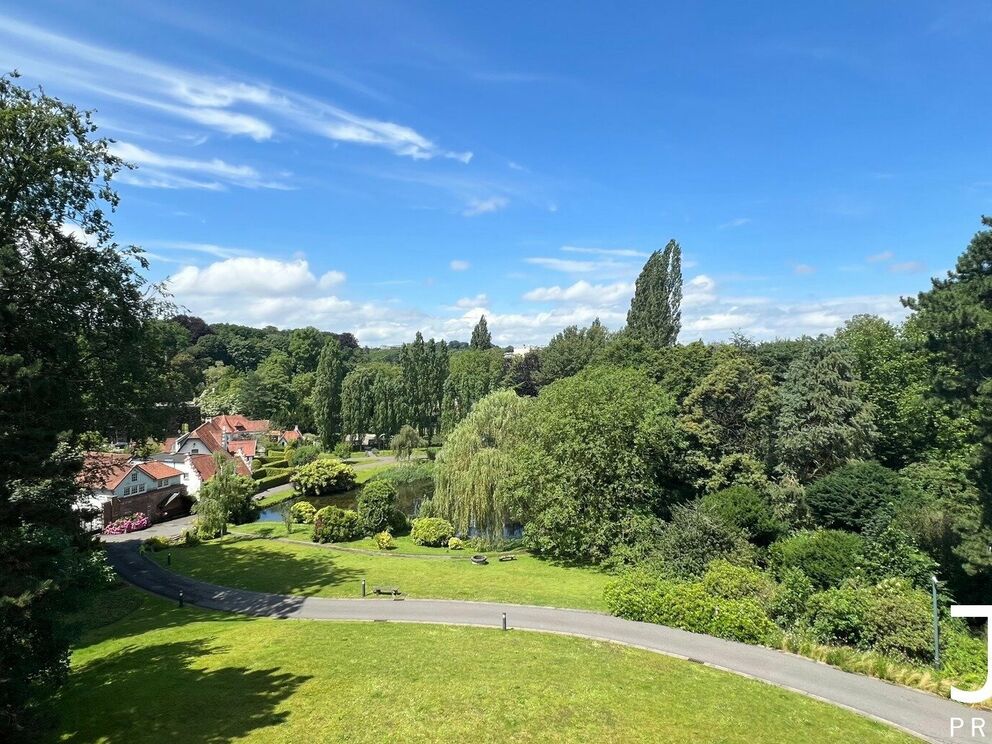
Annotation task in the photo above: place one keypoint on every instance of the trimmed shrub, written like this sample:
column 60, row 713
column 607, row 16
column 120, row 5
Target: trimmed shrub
column 687, row 605
column 303, row 512
column 342, row 450
column 746, row 509
column 304, row 454
column 323, row 477
column 384, row 541
column 432, row 531
column 724, row 580
column 156, row 543
column 332, row 524
column 130, row 523
column 827, row 557
column 455, row 543
column 376, row 504
column 854, row 494
column 271, row 481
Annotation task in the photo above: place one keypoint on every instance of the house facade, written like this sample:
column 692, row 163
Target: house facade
column 117, row 486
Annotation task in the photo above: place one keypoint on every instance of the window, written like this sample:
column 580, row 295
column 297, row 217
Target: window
column 141, row 488
column 127, row 490
column 194, row 451
column 134, row 477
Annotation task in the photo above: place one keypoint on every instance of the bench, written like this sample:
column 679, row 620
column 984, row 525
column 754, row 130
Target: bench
column 391, row 590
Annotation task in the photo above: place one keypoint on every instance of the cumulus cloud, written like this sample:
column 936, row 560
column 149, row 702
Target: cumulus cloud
column 583, row 291
column 480, row 300
column 248, row 276
column 458, row 264
column 484, row 206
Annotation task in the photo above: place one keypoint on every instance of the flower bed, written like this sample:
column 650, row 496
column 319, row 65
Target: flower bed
column 132, row 523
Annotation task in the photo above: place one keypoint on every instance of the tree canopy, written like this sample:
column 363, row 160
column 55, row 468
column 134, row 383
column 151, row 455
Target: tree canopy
column 656, row 310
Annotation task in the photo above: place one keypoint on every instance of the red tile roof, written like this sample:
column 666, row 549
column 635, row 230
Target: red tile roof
column 245, row 446
column 168, row 444
column 158, row 470
column 206, row 467
column 238, row 423
column 292, row 435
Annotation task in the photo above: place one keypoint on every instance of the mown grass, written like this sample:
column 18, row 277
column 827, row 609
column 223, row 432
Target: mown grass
column 162, row 674
column 268, row 565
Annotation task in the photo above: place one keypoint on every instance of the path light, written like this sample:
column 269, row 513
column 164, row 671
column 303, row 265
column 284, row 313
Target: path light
column 936, row 622
column 504, row 621
column 363, row 588
column 180, row 597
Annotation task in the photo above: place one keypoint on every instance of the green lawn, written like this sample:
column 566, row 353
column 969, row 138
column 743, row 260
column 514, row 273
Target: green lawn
column 404, row 544
column 286, row 568
column 162, row 674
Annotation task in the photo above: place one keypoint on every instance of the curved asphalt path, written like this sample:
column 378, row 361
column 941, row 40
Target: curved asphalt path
column 916, row 712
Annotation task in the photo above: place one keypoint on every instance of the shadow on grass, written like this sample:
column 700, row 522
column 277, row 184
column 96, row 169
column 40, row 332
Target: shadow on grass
column 160, row 693
column 260, row 565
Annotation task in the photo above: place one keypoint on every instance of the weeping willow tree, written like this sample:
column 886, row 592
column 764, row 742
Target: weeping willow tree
column 473, row 466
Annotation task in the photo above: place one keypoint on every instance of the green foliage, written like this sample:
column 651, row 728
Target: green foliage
column 474, row 374
column 156, row 543
column 824, row 419
column 323, row 477
column 342, row 450
column 827, row 557
column 372, row 400
column 376, row 504
column 433, row 532
column 303, row 512
column 854, row 494
column 226, row 497
column 891, row 618
column 725, row 580
column 472, row 470
column 693, row 539
column 423, row 368
column 790, row 600
column 267, row 391
column 689, row 606
column 272, row 480
column 746, row 509
column 404, row 443
column 455, row 543
column 384, row 541
column 729, row 412
column 303, row 454
column 891, row 552
column 655, row 311
column 600, row 451
column 305, row 345
column 570, row 351
column 326, row 396
column 333, row 524
column 481, row 338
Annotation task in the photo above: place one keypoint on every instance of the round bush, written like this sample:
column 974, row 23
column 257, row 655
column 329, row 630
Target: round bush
column 304, row 454
column 744, row 620
column 342, row 450
column 303, row 512
column 748, row 510
column 724, row 580
column 376, row 504
column 332, row 524
column 323, row 477
column 827, row 557
column 432, row 531
column 384, row 541
column 854, row 494
column 455, row 544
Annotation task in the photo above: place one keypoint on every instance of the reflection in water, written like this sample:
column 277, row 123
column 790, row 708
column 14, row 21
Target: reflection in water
column 408, row 499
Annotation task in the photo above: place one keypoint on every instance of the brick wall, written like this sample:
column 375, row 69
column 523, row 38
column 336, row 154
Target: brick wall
column 147, row 503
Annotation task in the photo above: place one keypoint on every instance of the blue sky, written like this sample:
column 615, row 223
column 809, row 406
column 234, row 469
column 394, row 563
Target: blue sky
column 384, row 168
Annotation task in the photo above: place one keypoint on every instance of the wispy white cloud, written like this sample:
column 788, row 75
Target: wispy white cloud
column 458, row 264
column 907, row 267
column 802, row 269
column 606, row 267
column 880, row 257
column 485, row 206
column 234, row 107
column 209, row 249
column 158, row 169
column 622, row 252
column 736, row 222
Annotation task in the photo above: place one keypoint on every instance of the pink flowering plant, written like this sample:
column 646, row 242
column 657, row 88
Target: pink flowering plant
column 132, row 523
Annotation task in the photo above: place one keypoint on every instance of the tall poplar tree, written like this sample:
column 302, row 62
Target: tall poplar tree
column 327, row 393
column 481, row 338
column 655, row 314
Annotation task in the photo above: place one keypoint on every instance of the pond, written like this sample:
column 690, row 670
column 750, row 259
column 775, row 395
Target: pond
column 409, row 496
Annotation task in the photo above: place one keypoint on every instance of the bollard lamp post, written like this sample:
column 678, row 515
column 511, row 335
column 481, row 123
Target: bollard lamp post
column 936, row 623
